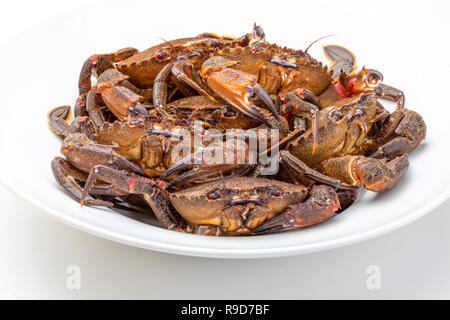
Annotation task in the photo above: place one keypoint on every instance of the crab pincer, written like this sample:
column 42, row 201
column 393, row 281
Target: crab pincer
column 239, row 89
column 322, row 204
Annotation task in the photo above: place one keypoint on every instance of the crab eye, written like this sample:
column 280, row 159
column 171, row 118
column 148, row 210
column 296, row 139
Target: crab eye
column 337, row 115
column 214, row 195
column 216, row 43
column 162, row 55
column 276, row 192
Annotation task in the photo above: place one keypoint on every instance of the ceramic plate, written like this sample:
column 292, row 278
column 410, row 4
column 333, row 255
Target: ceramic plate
column 40, row 68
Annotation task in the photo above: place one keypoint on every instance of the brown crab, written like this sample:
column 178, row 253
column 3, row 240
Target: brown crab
column 345, row 141
column 233, row 206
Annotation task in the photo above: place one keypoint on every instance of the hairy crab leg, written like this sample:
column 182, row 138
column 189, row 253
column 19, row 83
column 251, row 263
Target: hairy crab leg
column 321, row 205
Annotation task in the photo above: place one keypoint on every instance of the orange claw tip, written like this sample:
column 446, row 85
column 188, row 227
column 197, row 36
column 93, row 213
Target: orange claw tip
column 82, row 202
column 313, row 148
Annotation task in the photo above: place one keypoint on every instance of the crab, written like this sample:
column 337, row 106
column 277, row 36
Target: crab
column 344, row 154
column 126, row 145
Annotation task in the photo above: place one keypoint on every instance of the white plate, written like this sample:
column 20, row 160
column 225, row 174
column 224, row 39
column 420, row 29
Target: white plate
column 40, row 68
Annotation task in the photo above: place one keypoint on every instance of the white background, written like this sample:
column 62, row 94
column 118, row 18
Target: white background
column 36, row 251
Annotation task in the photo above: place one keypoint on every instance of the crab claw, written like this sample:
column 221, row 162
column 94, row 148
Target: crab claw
column 321, row 205
column 372, row 76
column 373, row 174
column 237, row 88
column 342, row 59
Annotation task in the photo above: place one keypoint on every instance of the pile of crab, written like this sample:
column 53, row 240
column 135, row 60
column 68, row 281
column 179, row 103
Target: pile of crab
column 333, row 134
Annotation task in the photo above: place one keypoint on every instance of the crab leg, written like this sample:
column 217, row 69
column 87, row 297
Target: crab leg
column 58, row 119
column 160, row 88
column 83, row 125
column 321, row 205
column 207, row 170
column 298, row 167
column 177, row 70
column 408, row 130
column 390, row 93
column 160, row 204
column 303, row 102
column 94, row 110
column 101, row 63
column 64, row 174
column 122, row 179
column 129, row 183
column 80, row 150
column 79, row 109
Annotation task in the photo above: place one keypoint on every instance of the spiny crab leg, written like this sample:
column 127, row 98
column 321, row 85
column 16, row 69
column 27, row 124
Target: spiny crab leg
column 321, row 205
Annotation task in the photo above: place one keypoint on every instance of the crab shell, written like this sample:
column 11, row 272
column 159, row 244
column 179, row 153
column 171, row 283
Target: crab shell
column 145, row 66
column 223, row 203
column 337, row 135
column 294, row 68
